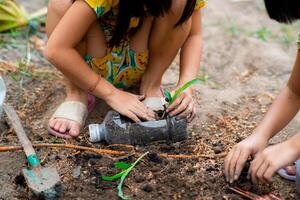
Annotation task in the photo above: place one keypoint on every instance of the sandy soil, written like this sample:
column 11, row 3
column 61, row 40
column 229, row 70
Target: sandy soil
column 247, row 59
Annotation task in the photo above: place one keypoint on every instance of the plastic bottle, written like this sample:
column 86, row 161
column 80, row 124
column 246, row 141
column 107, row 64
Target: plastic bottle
column 116, row 129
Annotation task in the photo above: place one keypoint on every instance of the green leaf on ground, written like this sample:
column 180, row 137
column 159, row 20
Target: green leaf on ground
column 122, row 175
column 114, row 177
column 122, row 165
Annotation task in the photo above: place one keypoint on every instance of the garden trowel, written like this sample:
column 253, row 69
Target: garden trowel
column 43, row 181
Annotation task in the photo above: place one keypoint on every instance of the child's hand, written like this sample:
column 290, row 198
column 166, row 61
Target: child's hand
column 267, row 162
column 129, row 105
column 237, row 157
column 183, row 106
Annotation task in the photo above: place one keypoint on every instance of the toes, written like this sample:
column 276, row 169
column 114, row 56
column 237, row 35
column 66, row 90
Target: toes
column 63, row 127
column 291, row 170
column 58, row 125
column 52, row 122
column 74, row 129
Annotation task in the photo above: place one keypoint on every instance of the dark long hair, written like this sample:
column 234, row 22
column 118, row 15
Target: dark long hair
column 141, row 9
column 285, row 11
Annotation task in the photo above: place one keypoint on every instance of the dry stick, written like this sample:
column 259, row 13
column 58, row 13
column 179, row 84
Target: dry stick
column 121, row 145
column 192, row 156
column 105, row 151
column 251, row 195
column 65, row 146
column 274, row 197
column 242, row 193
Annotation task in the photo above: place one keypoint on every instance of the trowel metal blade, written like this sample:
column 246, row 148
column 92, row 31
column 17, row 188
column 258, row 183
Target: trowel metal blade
column 43, row 181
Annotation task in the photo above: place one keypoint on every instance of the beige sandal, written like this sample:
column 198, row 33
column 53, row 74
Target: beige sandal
column 70, row 110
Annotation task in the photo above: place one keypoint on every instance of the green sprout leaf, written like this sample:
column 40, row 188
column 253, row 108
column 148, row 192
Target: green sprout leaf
column 167, row 95
column 122, row 165
column 122, row 175
column 114, row 177
column 184, row 87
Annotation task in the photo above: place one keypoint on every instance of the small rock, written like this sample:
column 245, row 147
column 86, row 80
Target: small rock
column 76, row 172
column 147, row 188
column 217, row 150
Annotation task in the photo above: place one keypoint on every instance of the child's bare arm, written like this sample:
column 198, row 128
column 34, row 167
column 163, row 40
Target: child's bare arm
column 190, row 58
column 282, row 111
column 61, row 50
column 62, row 53
column 191, row 51
column 285, row 107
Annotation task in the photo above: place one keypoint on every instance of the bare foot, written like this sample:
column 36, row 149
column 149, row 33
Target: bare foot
column 65, row 126
column 291, row 170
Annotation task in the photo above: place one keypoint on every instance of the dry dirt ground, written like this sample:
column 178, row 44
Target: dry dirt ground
column 247, row 59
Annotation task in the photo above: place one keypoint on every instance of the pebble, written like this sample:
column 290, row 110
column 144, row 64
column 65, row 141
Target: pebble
column 217, row 150
column 76, row 172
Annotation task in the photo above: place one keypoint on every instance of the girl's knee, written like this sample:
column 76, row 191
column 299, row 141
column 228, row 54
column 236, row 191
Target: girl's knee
column 59, row 7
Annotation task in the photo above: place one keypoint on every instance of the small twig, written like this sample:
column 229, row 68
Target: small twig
column 253, row 196
column 121, row 145
column 274, row 197
column 66, row 146
column 109, row 152
column 192, row 156
column 243, row 193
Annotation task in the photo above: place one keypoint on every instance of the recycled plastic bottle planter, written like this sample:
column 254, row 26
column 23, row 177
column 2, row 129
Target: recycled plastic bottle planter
column 117, row 129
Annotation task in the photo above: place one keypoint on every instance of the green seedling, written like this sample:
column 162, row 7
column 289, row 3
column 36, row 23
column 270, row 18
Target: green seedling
column 127, row 167
column 262, row 34
column 170, row 99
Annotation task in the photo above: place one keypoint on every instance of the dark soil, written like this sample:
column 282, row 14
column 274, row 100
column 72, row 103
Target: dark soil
column 243, row 81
